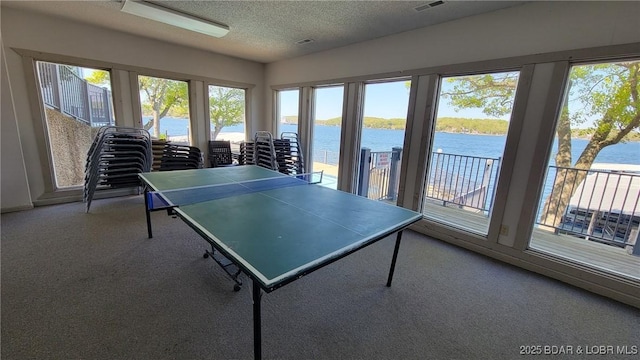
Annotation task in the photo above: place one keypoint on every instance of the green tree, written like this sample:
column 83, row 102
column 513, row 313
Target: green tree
column 99, row 78
column 226, row 107
column 159, row 96
column 604, row 94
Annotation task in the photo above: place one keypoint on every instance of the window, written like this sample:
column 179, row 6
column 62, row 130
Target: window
column 165, row 108
column 468, row 144
column 227, row 113
column 589, row 209
column 382, row 138
column 77, row 102
column 327, row 128
column 288, row 109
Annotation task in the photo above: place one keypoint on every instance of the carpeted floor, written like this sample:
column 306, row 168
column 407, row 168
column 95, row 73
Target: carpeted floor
column 92, row 286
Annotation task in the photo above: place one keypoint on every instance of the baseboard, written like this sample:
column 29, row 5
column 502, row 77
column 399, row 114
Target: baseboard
column 15, row 208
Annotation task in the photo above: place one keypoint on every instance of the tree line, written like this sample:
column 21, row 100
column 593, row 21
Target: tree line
column 455, row 125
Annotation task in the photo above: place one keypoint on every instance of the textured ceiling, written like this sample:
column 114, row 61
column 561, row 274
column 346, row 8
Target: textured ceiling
column 267, row 31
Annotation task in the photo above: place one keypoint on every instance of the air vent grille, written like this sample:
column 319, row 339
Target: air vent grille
column 429, row 5
column 304, row 41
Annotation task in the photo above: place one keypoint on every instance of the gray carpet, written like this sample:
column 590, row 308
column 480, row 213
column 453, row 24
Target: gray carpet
column 92, row 286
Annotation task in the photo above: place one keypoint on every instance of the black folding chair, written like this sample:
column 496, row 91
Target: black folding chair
column 220, row 153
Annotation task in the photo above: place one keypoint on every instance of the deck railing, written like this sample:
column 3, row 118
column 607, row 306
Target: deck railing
column 70, row 94
column 463, row 181
column 604, row 207
column 379, row 174
column 326, row 157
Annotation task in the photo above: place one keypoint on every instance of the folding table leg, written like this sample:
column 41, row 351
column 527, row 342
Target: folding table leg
column 257, row 331
column 148, row 212
column 395, row 256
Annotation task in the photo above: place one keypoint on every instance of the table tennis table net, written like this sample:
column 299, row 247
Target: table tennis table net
column 186, row 196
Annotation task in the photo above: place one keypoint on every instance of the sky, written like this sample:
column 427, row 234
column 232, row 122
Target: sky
column 384, row 100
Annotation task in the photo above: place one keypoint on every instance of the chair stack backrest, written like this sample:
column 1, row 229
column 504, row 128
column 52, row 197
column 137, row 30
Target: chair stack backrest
column 246, row 153
column 289, row 154
column 180, row 157
column 157, row 149
column 114, row 160
column 220, row 153
column 264, row 151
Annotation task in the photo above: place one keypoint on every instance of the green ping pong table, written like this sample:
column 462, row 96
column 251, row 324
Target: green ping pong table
column 272, row 227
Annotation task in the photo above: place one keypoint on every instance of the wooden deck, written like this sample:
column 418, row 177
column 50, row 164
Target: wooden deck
column 604, row 257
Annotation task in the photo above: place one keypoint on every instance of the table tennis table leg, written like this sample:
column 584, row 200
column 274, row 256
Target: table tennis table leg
column 146, row 209
column 257, row 326
column 395, row 256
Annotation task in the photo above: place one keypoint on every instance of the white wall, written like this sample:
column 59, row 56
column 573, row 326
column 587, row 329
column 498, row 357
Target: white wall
column 37, row 32
column 13, row 176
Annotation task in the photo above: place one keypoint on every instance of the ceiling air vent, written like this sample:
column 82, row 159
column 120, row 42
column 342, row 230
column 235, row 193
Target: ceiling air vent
column 304, row 41
column 429, row 5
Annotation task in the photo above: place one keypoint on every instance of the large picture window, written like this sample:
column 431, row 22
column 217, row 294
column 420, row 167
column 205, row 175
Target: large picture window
column 327, row 129
column 77, row 101
column 165, row 108
column 382, row 138
column 589, row 209
column 468, row 144
column 227, row 113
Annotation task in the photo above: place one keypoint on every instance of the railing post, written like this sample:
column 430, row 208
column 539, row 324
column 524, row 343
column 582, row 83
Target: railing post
column 107, row 106
column 486, row 178
column 86, row 98
column 57, row 89
column 394, row 173
column 363, row 173
column 437, row 176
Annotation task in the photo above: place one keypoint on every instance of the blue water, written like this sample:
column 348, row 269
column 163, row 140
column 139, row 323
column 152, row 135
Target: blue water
column 327, row 138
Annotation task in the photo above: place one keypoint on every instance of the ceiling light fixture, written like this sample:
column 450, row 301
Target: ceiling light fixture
column 175, row 18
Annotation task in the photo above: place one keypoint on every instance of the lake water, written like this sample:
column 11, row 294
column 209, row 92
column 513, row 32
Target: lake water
column 327, row 138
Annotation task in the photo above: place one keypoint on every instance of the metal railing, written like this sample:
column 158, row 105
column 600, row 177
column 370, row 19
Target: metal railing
column 379, row 174
column 463, row 181
column 65, row 91
column 326, row 157
column 598, row 205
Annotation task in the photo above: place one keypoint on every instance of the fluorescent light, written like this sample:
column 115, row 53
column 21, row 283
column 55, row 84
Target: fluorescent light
column 175, row 18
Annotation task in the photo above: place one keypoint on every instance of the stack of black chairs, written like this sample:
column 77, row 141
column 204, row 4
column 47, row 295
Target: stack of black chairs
column 288, row 154
column 157, row 148
column 180, row 157
column 114, row 160
column 283, row 155
column 264, row 151
column 246, row 153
